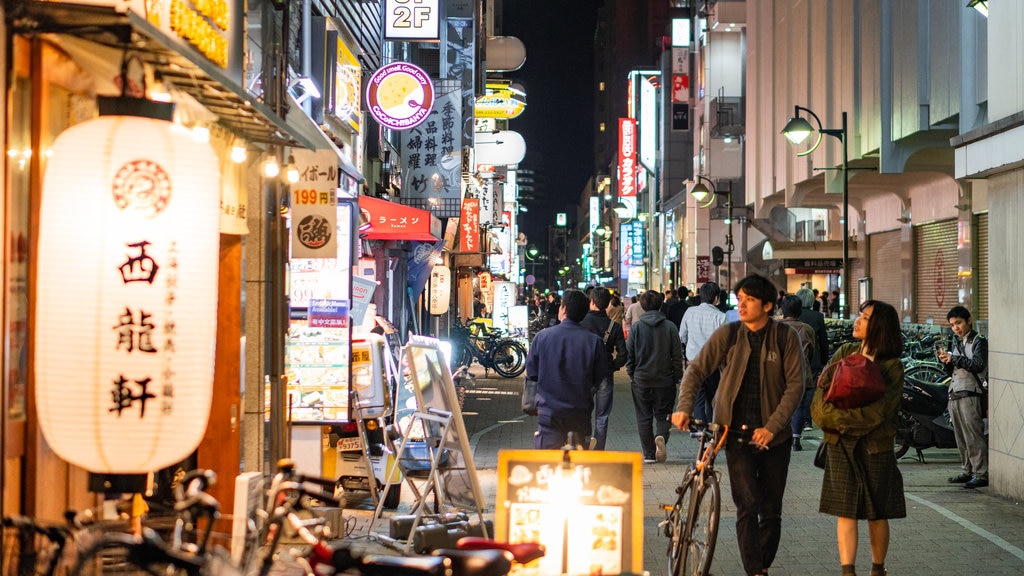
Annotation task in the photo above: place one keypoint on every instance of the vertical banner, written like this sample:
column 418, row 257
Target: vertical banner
column 504, row 300
column 432, row 153
column 314, row 205
column 421, row 262
column 627, row 158
column 469, row 228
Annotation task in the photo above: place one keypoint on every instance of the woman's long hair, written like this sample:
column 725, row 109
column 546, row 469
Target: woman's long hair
column 884, row 338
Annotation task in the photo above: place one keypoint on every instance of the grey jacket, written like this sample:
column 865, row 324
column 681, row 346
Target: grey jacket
column 968, row 363
column 782, row 376
column 654, row 355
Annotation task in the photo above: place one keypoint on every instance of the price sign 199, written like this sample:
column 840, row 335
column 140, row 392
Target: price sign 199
column 308, row 197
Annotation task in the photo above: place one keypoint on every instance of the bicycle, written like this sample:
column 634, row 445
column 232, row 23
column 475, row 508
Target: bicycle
column 691, row 524
column 490, row 348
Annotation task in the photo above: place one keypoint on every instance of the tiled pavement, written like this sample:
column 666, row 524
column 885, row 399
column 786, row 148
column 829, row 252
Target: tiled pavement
column 949, row 531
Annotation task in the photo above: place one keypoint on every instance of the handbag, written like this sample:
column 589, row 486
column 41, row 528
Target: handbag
column 530, row 397
column 821, row 455
column 856, row 382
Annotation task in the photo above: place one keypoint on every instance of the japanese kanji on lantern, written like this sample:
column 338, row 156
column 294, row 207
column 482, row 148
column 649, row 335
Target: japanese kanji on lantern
column 126, row 294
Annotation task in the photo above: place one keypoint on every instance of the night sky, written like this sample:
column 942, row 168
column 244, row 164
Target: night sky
column 558, row 122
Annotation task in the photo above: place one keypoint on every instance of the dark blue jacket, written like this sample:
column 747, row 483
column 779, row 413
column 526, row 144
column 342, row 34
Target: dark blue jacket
column 568, row 362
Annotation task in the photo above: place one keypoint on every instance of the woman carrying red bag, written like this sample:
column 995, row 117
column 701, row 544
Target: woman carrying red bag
column 862, row 481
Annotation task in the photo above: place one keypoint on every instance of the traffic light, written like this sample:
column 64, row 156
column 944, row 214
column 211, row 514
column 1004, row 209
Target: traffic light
column 717, row 255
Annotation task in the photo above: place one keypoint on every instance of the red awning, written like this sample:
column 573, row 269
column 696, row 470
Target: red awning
column 392, row 221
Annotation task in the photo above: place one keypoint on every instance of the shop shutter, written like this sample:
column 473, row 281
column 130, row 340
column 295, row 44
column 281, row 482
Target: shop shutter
column 981, row 267
column 886, row 279
column 935, row 268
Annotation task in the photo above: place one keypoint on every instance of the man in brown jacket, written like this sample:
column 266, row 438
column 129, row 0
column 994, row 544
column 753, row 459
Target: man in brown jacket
column 762, row 383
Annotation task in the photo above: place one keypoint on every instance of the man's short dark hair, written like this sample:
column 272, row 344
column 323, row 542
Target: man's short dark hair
column 601, row 297
column 651, row 300
column 791, row 306
column 708, row 292
column 959, row 312
column 759, row 287
column 576, row 305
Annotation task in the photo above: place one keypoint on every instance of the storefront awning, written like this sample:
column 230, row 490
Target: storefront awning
column 391, row 221
column 184, row 68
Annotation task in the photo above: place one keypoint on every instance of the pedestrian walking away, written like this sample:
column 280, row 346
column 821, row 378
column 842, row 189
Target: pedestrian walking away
column 568, row 362
column 761, row 384
column 862, row 480
column 791, row 308
column 598, row 322
column 699, row 322
column 654, row 362
column 967, row 364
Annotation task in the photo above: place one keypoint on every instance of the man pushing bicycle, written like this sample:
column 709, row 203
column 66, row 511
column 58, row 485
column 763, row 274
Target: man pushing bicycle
column 761, row 385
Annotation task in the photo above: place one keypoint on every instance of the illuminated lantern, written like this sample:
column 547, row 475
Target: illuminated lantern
column 126, row 294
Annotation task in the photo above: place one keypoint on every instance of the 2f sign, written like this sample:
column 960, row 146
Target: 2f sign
column 412, row 20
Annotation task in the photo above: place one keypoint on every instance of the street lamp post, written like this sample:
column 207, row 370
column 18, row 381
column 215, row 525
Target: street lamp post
column 702, row 192
column 796, row 131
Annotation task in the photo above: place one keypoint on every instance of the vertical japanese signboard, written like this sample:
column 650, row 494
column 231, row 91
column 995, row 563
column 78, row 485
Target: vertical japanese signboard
column 469, row 225
column 314, row 204
column 432, row 153
column 627, row 157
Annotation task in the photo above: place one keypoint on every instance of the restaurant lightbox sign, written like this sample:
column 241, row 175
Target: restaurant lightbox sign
column 412, row 20
column 400, row 95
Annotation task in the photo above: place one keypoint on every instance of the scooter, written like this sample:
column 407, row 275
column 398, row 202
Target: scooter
column 924, row 417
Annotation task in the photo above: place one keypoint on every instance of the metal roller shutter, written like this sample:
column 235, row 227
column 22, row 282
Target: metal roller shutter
column 886, row 280
column 981, row 267
column 935, row 268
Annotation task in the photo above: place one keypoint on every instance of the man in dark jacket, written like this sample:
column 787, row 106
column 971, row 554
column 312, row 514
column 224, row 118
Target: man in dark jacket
column 568, row 362
column 816, row 320
column 597, row 321
column 655, row 366
column 674, row 306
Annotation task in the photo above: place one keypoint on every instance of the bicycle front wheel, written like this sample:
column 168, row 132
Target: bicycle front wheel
column 702, row 529
column 509, row 358
column 675, row 528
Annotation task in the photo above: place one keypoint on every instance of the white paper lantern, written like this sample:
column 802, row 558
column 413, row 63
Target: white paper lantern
column 126, row 294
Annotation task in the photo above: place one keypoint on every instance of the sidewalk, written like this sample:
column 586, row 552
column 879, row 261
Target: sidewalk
column 949, row 530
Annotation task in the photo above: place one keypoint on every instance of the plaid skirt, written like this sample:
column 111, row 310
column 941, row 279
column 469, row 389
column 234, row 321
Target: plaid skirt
column 861, row 485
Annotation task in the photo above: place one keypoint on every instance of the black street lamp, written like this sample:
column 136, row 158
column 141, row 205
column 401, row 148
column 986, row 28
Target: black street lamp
column 702, row 192
column 796, row 131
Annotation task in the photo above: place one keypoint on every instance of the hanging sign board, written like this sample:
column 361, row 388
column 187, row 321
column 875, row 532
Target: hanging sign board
column 400, row 95
column 314, row 202
column 412, row 20
column 440, row 289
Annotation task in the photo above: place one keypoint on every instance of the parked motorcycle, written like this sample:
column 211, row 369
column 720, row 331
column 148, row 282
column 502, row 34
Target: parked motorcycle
column 924, row 417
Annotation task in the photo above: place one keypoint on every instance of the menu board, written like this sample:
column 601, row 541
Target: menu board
column 589, row 503
column 316, row 365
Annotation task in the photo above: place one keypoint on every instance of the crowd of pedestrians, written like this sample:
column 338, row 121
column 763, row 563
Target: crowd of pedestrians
column 765, row 365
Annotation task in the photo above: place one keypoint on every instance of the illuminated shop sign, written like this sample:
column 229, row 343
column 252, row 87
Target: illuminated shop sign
column 413, row 20
column 400, row 95
column 627, row 157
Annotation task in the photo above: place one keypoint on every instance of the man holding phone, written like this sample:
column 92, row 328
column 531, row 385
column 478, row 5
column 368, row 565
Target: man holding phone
column 967, row 364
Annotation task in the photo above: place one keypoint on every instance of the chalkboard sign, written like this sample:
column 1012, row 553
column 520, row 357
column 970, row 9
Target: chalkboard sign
column 585, row 507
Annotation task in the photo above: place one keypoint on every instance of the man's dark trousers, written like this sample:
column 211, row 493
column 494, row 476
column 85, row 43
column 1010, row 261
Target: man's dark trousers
column 653, row 407
column 758, row 481
column 553, row 431
column 602, row 410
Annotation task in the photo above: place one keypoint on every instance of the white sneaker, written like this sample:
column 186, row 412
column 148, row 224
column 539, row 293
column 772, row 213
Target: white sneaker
column 659, row 449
